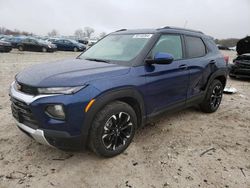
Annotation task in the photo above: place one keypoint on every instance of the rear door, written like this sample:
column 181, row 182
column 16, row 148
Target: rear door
column 34, row 45
column 68, row 45
column 59, row 44
column 200, row 65
column 167, row 84
column 26, row 44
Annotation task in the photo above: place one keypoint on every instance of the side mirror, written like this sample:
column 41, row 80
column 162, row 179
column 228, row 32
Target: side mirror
column 161, row 58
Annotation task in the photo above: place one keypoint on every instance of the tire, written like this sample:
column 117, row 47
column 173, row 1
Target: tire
column 113, row 129
column 44, row 49
column 20, row 48
column 213, row 97
column 75, row 49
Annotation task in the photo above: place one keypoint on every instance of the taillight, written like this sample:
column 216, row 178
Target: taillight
column 226, row 58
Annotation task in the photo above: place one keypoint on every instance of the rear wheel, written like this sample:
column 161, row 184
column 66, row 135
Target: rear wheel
column 213, row 97
column 20, row 48
column 113, row 129
column 44, row 49
column 75, row 49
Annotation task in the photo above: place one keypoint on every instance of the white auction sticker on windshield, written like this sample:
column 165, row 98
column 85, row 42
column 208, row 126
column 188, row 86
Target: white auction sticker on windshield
column 142, row 36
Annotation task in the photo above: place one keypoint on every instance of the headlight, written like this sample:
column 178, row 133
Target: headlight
column 55, row 111
column 60, row 90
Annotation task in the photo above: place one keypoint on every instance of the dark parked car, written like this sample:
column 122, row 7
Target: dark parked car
column 32, row 44
column 223, row 47
column 69, row 45
column 118, row 85
column 14, row 40
column 5, row 46
column 241, row 65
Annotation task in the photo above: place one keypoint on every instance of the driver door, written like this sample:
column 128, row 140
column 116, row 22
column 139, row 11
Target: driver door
column 34, row 46
column 167, row 84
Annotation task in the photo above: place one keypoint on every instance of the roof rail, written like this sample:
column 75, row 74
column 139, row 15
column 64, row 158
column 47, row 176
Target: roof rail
column 178, row 28
column 121, row 30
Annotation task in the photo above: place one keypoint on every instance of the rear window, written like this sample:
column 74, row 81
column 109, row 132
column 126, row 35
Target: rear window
column 194, row 47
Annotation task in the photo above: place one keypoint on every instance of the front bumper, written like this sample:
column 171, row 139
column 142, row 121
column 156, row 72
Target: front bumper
column 5, row 48
column 52, row 49
column 69, row 134
column 37, row 134
column 238, row 71
column 58, row 139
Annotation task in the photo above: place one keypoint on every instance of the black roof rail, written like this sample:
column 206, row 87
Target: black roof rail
column 121, row 30
column 178, row 28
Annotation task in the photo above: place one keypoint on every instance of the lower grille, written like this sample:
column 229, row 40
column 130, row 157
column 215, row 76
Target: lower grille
column 22, row 113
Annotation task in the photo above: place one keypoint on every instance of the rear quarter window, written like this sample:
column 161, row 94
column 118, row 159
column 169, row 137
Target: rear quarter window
column 195, row 47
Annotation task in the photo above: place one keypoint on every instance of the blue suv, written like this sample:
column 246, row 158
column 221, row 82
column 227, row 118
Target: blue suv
column 118, row 85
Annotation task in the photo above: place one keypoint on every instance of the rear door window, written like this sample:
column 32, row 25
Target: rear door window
column 195, row 47
column 169, row 44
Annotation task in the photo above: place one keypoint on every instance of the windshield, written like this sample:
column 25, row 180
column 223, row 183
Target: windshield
column 117, row 47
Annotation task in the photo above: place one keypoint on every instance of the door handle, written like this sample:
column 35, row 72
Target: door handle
column 184, row 66
column 212, row 62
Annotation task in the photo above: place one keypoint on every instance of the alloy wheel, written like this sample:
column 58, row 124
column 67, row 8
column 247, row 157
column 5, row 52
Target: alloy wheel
column 216, row 96
column 75, row 49
column 20, row 48
column 117, row 130
column 44, row 49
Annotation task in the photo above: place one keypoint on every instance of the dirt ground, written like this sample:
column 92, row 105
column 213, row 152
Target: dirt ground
column 169, row 153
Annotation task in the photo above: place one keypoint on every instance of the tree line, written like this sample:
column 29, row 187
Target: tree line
column 6, row 31
column 80, row 33
column 87, row 32
column 231, row 42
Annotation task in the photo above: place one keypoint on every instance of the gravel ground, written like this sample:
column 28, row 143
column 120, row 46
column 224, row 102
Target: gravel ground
column 169, row 153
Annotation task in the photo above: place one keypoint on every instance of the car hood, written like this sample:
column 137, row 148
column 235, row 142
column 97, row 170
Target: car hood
column 243, row 46
column 65, row 73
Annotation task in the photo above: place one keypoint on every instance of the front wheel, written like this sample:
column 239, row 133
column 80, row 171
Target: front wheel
column 213, row 97
column 113, row 129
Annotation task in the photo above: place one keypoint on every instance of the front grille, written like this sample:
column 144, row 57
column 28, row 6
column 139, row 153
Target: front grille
column 22, row 113
column 244, row 65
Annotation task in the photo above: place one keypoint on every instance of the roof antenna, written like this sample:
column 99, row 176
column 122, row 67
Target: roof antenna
column 185, row 24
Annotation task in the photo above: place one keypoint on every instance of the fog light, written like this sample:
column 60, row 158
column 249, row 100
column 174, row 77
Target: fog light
column 55, row 111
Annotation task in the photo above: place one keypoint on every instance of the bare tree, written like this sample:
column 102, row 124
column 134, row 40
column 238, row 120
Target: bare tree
column 102, row 34
column 79, row 34
column 2, row 30
column 53, row 33
column 88, row 31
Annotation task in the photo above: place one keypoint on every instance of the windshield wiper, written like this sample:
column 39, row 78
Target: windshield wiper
column 98, row 60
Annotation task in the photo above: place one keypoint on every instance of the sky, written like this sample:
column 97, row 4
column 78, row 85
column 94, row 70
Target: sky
column 218, row 18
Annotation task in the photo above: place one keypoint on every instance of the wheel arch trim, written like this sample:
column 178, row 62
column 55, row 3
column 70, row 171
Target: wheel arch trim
column 218, row 73
column 108, row 96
